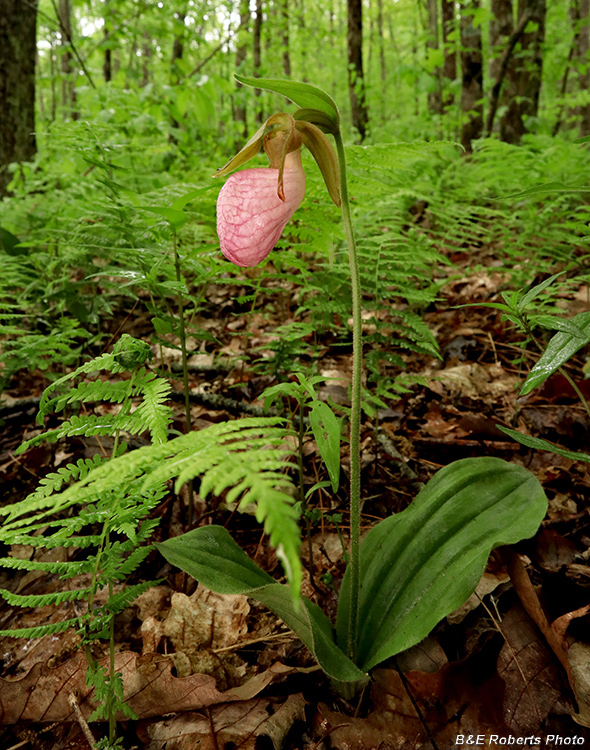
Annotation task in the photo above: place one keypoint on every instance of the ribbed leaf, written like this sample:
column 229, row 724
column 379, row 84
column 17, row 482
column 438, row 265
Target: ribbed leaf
column 211, row 556
column 421, row 564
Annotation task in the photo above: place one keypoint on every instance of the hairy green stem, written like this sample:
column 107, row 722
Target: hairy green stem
column 355, row 415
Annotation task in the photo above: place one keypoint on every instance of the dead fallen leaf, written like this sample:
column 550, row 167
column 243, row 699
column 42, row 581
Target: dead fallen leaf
column 471, row 380
column 426, row 656
column 579, row 656
column 489, row 582
column 553, row 550
column 535, row 685
column 237, row 724
column 149, row 688
column 456, row 699
column 196, row 626
column 530, row 601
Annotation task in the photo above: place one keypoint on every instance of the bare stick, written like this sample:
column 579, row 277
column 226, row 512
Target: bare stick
column 82, row 721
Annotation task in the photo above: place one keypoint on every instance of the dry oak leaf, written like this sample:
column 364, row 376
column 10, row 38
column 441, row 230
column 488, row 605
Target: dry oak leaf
column 149, row 688
column 471, row 380
column 535, row 686
column 455, row 700
column 239, row 724
column 579, row 656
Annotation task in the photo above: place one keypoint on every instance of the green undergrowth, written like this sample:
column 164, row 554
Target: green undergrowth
column 86, row 237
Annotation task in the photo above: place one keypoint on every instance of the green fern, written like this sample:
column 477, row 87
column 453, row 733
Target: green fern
column 244, row 458
column 52, row 483
column 41, row 630
column 42, row 600
column 120, row 601
column 69, row 569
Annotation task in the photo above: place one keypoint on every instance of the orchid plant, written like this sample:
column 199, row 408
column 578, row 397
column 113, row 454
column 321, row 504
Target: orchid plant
column 415, row 567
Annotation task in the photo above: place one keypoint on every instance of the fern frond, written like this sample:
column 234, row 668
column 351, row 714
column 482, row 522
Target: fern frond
column 41, row 600
column 63, row 569
column 41, row 630
column 121, row 570
column 90, row 391
column 244, row 457
column 103, row 362
column 84, row 426
column 52, row 483
column 118, row 602
column 55, row 540
column 153, row 413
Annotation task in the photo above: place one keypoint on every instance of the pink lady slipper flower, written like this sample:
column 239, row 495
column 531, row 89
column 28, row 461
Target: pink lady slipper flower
column 255, row 205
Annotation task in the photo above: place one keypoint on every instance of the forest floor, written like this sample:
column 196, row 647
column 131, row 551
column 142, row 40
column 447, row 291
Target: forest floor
column 205, row 671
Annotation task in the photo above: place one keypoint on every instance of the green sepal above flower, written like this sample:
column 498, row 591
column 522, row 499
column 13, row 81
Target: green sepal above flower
column 303, row 94
column 282, row 134
column 324, row 154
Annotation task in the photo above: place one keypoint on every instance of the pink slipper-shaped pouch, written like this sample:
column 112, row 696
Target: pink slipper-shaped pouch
column 251, row 216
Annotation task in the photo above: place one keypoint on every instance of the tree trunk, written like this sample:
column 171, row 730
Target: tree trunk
column 472, row 70
column 524, row 73
column 18, row 40
column 178, row 44
column 107, row 66
column 501, row 26
column 579, row 12
column 434, row 96
column 258, row 58
column 382, row 67
column 529, row 84
column 501, row 68
column 68, row 90
column 146, row 59
column 240, row 111
column 285, row 39
column 175, row 71
column 356, row 83
column 450, row 63
column 53, row 73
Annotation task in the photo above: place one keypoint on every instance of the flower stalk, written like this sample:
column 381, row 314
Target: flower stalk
column 355, row 414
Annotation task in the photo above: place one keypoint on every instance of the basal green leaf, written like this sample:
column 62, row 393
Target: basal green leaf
column 561, row 347
column 543, row 445
column 211, row 556
column 421, row 564
column 326, row 431
column 303, row 94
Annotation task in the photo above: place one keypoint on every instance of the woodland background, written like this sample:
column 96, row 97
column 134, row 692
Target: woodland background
column 467, row 125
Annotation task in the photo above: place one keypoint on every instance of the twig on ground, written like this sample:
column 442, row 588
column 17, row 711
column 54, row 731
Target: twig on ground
column 82, row 721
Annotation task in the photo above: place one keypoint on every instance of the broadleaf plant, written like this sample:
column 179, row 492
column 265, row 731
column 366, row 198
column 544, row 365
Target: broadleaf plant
column 413, row 568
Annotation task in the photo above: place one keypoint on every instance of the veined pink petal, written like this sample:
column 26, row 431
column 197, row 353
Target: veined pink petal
column 250, row 215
